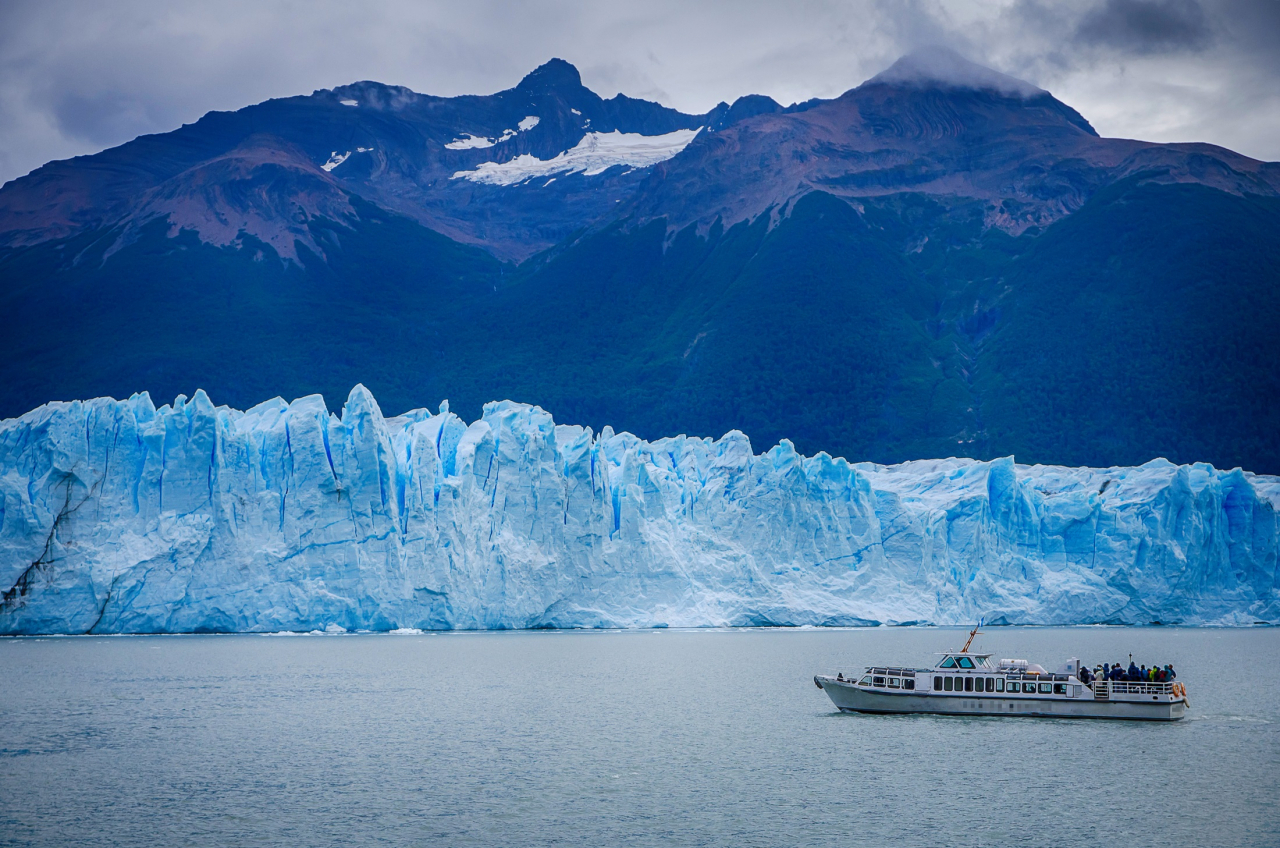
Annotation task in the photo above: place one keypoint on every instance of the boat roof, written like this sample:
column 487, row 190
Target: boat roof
column 962, row 654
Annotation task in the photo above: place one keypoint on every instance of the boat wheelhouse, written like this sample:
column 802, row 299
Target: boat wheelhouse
column 965, row 683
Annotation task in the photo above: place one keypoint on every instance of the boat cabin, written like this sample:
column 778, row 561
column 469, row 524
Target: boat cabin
column 964, row 661
column 961, row 672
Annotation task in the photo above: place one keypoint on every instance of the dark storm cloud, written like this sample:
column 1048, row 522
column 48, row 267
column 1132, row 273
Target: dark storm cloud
column 1146, row 26
column 80, row 75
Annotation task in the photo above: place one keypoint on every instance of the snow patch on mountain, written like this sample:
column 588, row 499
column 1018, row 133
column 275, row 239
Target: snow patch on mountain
column 335, row 159
column 349, row 102
column 116, row 517
column 594, row 154
column 470, row 142
column 474, row 142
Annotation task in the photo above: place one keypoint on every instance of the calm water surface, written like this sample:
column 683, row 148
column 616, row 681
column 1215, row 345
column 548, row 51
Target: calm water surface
column 601, row 739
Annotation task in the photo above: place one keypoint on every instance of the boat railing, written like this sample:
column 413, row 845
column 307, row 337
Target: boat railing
column 897, row 672
column 1107, row 688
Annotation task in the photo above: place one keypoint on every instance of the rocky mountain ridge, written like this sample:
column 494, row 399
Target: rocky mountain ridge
column 942, row 261
column 268, row 169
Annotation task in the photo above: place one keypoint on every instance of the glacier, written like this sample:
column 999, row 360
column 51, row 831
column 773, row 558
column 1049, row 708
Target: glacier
column 118, row 517
column 593, row 155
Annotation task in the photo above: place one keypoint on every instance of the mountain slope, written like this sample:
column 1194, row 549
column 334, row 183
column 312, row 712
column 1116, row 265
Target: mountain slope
column 942, row 261
column 386, row 144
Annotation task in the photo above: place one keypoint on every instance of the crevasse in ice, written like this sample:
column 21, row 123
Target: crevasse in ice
column 118, row 517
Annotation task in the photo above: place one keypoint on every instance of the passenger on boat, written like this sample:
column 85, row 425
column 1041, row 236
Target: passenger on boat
column 1133, row 671
column 1172, row 674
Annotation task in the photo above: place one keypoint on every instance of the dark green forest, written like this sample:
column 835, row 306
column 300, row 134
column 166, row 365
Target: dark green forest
column 1142, row 325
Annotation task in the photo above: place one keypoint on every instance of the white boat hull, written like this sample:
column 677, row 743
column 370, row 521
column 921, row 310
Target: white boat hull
column 849, row 697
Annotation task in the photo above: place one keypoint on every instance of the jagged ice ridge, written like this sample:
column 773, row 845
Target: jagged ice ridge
column 118, row 517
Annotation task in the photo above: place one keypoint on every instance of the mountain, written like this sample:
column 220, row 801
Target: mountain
column 265, row 171
column 942, row 261
column 124, row 518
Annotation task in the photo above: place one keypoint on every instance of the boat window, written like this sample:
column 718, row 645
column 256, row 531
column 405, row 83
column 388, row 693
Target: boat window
column 964, row 662
column 937, row 684
column 1013, row 686
column 879, row 681
column 999, row 684
column 894, row 683
column 947, row 681
column 908, row 683
column 991, row 684
column 949, row 662
column 866, row 681
column 1059, row 688
column 1046, row 688
column 968, row 684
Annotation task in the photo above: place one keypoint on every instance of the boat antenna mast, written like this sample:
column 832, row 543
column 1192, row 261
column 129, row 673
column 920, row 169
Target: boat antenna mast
column 972, row 633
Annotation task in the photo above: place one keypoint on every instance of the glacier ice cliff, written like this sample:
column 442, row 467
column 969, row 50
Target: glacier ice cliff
column 118, row 517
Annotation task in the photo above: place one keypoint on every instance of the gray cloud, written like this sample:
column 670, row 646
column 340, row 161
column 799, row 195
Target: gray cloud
column 1146, row 26
column 78, row 75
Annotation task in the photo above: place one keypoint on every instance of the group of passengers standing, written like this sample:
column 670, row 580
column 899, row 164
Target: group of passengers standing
column 1133, row 674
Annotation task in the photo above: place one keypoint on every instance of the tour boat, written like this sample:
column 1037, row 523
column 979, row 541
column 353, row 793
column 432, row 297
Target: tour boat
column 972, row 684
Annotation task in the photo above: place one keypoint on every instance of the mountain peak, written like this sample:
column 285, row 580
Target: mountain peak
column 943, row 67
column 552, row 75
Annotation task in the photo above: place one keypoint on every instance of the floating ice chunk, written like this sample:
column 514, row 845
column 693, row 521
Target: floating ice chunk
column 594, row 154
column 335, row 159
column 406, row 631
column 471, row 142
column 335, row 628
column 529, row 123
column 348, row 102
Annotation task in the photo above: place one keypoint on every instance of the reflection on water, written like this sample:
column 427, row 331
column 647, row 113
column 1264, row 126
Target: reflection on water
column 636, row 738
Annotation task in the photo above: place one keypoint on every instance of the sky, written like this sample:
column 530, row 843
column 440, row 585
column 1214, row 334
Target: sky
column 78, row 76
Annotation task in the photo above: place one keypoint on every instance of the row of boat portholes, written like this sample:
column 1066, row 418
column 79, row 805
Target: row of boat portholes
column 996, row 684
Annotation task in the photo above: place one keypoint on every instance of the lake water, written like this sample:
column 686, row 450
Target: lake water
column 608, row 739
